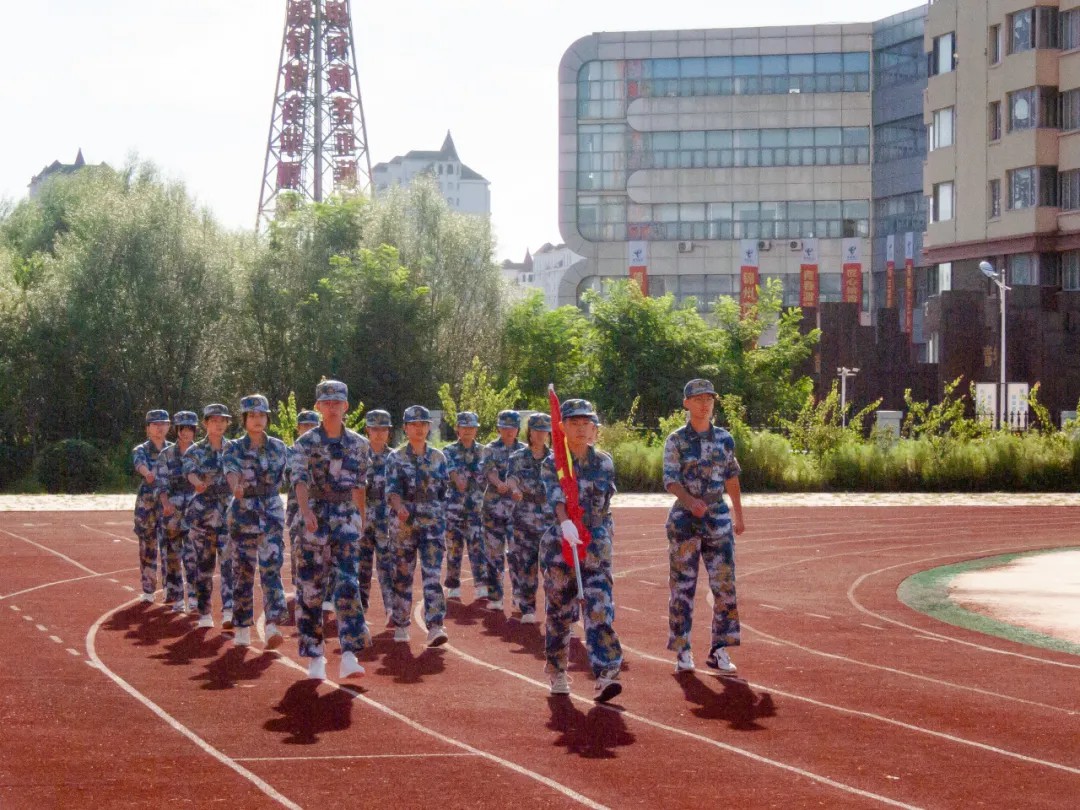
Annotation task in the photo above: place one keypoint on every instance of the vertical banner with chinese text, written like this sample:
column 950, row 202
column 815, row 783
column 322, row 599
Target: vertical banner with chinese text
column 852, row 272
column 637, row 257
column 748, row 273
column 909, row 283
column 808, row 274
column 890, row 271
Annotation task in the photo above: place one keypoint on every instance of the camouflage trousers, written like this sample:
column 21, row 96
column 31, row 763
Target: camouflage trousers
column 209, row 536
column 332, row 550
column 498, row 538
column 560, row 589
column 530, row 523
column 376, row 555
column 296, row 531
column 425, row 538
column 691, row 540
column 465, row 531
column 256, row 537
column 181, row 564
column 148, row 530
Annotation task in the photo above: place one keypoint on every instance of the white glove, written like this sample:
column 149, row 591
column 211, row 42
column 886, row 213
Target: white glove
column 570, row 533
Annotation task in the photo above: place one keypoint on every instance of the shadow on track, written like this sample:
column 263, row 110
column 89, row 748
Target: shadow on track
column 596, row 735
column 736, row 703
column 305, row 713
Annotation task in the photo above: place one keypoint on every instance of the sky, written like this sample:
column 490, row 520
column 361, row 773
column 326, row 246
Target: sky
column 188, row 85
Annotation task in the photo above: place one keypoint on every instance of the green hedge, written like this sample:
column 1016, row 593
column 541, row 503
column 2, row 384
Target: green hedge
column 71, row 465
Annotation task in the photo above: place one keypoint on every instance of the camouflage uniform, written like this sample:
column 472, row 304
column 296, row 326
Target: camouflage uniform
column 464, row 511
column 292, row 509
column 420, row 481
column 701, row 462
column 498, row 510
column 169, row 480
column 332, row 469
column 207, row 524
column 533, row 516
column 256, row 526
column 596, row 484
column 148, row 517
column 376, row 552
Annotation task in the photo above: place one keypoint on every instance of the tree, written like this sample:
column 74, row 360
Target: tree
column 479, row 394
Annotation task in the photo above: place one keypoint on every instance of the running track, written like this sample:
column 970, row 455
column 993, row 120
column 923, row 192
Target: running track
column 851, row 698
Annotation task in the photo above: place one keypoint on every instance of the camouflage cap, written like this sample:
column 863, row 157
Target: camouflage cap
column 256, row 403
column 216, row 409
column 540, row 421
column 416, row 413
column 595, row 420
column 509, row 419
column 577, row 407
column 157, row 416
column 468, row 419
column 378, row 419
column 186, row 419
column 308, row 418
column 695, row 387
column 332, row 391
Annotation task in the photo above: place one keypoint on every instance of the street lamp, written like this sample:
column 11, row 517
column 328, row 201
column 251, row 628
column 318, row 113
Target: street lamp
column 999, row 279
column 844, row 373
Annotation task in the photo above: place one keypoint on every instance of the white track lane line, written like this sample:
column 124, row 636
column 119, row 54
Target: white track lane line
column 63, row 582
column 172, row 722
column 353, row 756
column 113, row 535
column 888, row 720
column 64, row 557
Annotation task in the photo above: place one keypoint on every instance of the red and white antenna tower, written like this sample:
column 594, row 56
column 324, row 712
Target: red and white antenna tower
column 318, row 138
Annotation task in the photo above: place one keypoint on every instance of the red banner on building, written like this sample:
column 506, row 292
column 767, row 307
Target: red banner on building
column 808, row 274
column 748, row 274
column 637, row 258
column 890, row 271
column 852, row 272
column 909, row 283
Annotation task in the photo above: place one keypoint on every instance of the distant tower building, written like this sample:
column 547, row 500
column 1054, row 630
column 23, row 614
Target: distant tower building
column 464, row 189
column 318, row 138
column 56, row 167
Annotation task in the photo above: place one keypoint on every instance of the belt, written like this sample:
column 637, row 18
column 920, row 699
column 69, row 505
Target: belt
column 331, row 495
column 219, row 491
column 260, row 491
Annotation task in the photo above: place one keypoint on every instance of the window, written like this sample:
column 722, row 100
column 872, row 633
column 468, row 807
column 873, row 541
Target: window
column 1069, row 190
column 1070, row 109
column 1033, row 28
column 993, row 43
column 942, row 203
column 1069, row 22
column 994, row 120
column 1033, row 107
column 943, row 55
column 993, row 199
column 1022, row 269
column 900, row 139
column 1033, row 186
column 941, row 130
column 1070, row 270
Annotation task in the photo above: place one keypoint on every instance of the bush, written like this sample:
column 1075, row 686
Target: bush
column 15, row 464
column 71, row 465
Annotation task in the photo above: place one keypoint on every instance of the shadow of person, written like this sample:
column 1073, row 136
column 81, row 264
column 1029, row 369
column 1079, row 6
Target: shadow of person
column 148, row 627
column 399, row 661
column 233, row 666
column 466, row 615
column 736, row 703
column 198, row 643
column 305, row 714
column 596, row 735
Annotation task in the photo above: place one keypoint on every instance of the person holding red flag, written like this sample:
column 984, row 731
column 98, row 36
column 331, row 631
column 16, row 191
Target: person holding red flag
column 575, row 553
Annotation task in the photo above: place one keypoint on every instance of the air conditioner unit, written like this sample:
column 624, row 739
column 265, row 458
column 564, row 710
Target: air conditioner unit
column 686, row 247
column 764, row 244
column 794, row 244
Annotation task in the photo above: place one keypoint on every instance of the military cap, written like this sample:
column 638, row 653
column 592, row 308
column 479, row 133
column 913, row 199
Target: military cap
column 216, row 409
column 331, row 390
column 509, row 419
column 307, row 418
column 468, row 419
column 577, row 407
column 157, row 416
column 540, row 421
column 378, row 419
column 186, row 419
column 595, row 420
column 695, row 387
column 416, row 413
column 256, row 403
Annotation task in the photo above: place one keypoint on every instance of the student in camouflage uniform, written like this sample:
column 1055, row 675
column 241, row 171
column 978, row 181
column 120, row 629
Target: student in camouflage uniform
column 175, row 492
column 699, row 465
column 416, row 481
column 206, row 514
column 305, row 421
column 498, row 505
column 254, row 467
column 375, row 547
column 595, row 476
column 329, row 470
column 532, row 513
column 464, row 506
column 148, row 518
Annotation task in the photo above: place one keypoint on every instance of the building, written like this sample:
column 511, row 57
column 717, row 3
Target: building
column 464, row 189
column 550, row 263
column 56, row 167
column 517, row 277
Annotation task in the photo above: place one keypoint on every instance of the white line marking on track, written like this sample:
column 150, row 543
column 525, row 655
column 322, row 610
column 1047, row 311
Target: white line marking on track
column 91, row 651
column 921, row 637
column 114, row 580
column 127, row 588
column 116, row 538
column 770, row 607
column 61, row 582
column 819, row 616
column 16, row 608
column 42, row 628
column 871, row 626
column 627, row 607
column 27, row 618
column 646, row 582
column 50, row 550
column 74, row 652
column 354, row 756
column 57, row 639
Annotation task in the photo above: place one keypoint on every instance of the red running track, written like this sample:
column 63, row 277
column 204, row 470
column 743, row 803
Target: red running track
column 850, row 698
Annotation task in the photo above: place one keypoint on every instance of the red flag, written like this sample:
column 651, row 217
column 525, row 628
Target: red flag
column 564, row 467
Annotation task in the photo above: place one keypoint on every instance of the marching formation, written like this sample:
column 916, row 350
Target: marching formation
column 358, row 509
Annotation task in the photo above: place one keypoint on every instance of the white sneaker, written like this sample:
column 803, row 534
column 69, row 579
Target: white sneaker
column 719, row 660
column 560, row 683
column 350, row 667
column 607, row 686
column 274, row 639
column 453, row 593
column 317, row 668
column 480, row 591
column 242, row 637
column 684, row 662
column 206, row 620
column 528, row 618
column 226, row 620
column 148, row 597
column 401, row 634
column 436, row 636
column 328, row 607
column 179, row 606
column 496, row 605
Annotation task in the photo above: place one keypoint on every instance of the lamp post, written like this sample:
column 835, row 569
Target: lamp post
column 844, row 373
column 999, row 279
